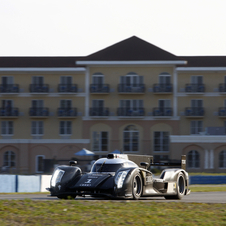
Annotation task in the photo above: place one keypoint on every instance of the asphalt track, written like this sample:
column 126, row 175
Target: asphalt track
column 194, row 197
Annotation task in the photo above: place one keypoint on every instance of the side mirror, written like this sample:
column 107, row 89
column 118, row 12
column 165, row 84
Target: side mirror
column 144, row 164
column 72, row 163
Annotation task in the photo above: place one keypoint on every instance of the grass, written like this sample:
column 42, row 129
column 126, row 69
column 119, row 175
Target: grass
column 207, row 188
column 72, row 212
column 207, row 174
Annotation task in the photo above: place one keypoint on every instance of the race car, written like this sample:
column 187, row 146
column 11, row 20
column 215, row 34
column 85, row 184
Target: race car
column 121, row 176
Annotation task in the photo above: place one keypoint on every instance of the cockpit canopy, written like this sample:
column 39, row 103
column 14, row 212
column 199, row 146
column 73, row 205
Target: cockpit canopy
column 110, row 165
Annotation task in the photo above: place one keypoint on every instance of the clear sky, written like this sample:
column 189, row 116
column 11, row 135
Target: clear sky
column 81, row 27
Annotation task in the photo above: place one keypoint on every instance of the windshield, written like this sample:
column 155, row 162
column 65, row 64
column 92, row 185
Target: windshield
column 106, row 167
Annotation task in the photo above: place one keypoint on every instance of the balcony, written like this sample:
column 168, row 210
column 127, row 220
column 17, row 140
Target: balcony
column 197, row 112
column 131, row 88
column 165, row 112
column 39, row 88
column 222, row 112
column 9, row 88
column 222, row 88
column 67, row 112
column 99, row 88
column 194, row 88
column 39, row 112
column 99, row 112
column 9, row 112
column 131, row 112
column 162, row 88
column 67, row 88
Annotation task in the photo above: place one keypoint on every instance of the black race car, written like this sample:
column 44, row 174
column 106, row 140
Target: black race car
column 121, row 176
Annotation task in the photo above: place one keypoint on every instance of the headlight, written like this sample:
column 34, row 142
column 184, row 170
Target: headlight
column 57, row 175
column 120, row 177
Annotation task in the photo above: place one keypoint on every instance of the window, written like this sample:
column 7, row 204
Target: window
column 163, row 104
column 7, row 104
column 196, row 103
column 196, row 127
column 40, row 163
column 9, row 159
column 98, row 78
column 66, row 80
column 37, row 103
column 98, row 104
column 38, row 80
column 7, row 127
column 130, row 138
column 193, row 159
column 65, row 104
column 196, row 79
column 37, row 127
column 164, row 78
column 100, row 141
column 65, row 127
column 161, row 141
column 7, row 80
column 222, row 159
column 131, row 79
column 133, row 104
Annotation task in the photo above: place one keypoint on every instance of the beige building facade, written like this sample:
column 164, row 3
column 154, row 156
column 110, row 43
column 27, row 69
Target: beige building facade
column 131, row 97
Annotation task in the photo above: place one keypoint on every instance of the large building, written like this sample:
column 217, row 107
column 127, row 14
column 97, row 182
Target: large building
column 132, row 96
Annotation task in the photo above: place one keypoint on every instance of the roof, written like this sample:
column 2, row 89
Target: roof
column 131, row 49
column 205, row 61
column 38, row 61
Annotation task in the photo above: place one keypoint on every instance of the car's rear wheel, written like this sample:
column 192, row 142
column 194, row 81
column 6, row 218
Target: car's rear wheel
column 180, row 186
column 137, row 186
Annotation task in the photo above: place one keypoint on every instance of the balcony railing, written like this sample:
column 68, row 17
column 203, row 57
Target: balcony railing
column 39, row 112
column 39, row 88
column 99, row 88
column 162, row 112
column 222, row 112
column 130, row 112
column 67, row 88
column 9, row 88
column 162, row 88
column 131, row 88
column 195, row 88
column 67, row 112
column 194, row 111
column 99, row 112
column 222, row 87
column 5, row 112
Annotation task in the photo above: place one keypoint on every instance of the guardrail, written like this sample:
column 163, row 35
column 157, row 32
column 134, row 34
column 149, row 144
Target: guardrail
column 207, row 179
column 24, row 183
column 39, row 183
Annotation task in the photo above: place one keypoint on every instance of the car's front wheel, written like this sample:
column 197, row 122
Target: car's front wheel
column 137, row 186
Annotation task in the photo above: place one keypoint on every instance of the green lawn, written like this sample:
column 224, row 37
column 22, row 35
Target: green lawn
column 72, row 212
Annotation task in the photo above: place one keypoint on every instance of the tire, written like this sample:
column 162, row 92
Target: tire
column 137, row 186
column 181, row 187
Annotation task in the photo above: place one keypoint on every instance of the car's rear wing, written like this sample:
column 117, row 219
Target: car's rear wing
column 138, row 159
column 181, row 164
column 146, row 161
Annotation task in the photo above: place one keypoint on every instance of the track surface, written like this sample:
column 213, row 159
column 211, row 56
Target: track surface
column 197, row 197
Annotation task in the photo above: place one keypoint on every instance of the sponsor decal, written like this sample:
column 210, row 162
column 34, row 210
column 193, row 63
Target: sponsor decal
column 87, row 183
column 148, row 179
